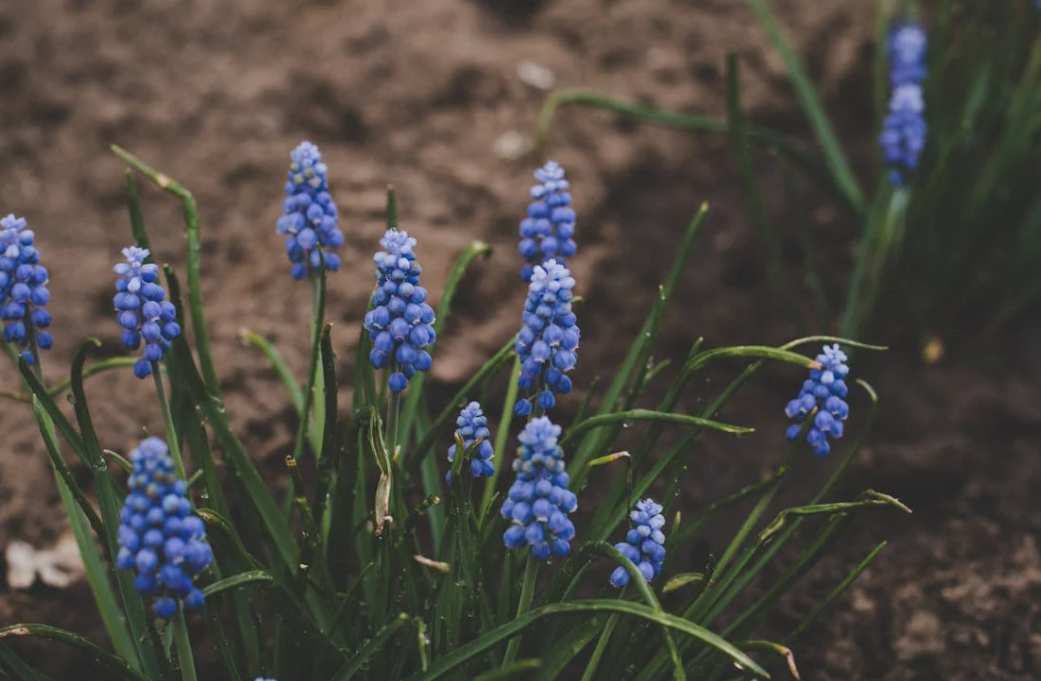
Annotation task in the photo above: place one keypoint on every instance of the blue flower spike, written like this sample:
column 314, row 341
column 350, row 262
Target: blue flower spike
column 823, row 398
column 309, row 220
column 400, row 323
column 160, row 537
column 471, row 430
column 904, row 131
column 538, row 502
column 547, row 344
column 548, row 232
column 142, row 311
column 644, row 545
column 23, row 289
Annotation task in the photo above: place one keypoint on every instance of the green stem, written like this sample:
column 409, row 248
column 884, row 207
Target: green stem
column 171, row 432
column 500, row 438
column 601, row 645
column 183, row 645
column 527, row 591
column 393, row 417
column 317, row 316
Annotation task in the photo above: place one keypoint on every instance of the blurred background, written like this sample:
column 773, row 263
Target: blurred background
column 440, row 98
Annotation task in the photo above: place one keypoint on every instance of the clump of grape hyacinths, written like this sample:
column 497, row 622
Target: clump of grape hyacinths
column 903, row 133
column 538, row 502
column 472, row 427
column 644, row 545
column 548, row 342
column 548, row 232
column 309, row 218
column 400, row 323
column 23, row 289
column 159, row 535
column 142, row 311
column 824, row 391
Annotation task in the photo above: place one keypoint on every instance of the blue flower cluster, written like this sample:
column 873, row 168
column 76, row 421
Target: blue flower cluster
column 644, row 545
column 539, row 501
column 547, row 343
column 549, row 230
column 400, row 322
column 142, row 311
column 471, row 427
column 824, row 391
column 309, row 218
column 23, row 289
column 159, row 535
column 903, row 133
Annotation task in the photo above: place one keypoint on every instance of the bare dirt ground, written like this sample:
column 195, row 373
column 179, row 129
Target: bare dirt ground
column 439, row 98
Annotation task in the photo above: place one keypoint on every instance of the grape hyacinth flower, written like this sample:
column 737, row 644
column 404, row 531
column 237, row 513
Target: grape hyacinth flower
column 549, row 229
column 547, row 343
column 309, row 218
column 400, row 322
column 159, row 535
column 903, row 133
column 824, row 392
column 23, row 289
column 472, row 427
column 644, row 545
column 142, row 311
column 538, row 502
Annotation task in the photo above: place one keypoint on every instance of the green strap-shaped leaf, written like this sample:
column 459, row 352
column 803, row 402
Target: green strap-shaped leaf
column 826, row 136
column 491, row 638
column 100, row 655
column 650, row 415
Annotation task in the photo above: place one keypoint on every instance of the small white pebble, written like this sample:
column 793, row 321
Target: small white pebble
column 535, row 75
column 511, row 145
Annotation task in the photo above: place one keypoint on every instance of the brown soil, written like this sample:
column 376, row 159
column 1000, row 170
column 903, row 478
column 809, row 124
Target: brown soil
column 427, row 95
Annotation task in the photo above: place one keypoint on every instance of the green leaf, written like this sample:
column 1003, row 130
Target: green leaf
column 194, row 244
column 681, row 580
column 245, row 474
column 829, row 142
column 650, row 415
column 512, row 670
column 21, row 671
column 110, row 503
column 492, row 638
column 352, row 666
column 594, row 444
column 285, row 374
column 99, row 655
column 236, row 581
column 76, row 507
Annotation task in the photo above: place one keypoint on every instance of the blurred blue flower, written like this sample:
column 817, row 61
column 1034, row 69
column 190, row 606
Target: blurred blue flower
column 548, row 342
column 160, row 537
column 644, row 545
column 309, row 219
column 471, row 427
column 823, row 392
column 142, row 311
column 23, row 289
column 400, row 323
column 904, row 130
column 548, row 232
column 538, row 502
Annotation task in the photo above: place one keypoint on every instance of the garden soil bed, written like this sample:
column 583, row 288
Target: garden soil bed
column 439, row 98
